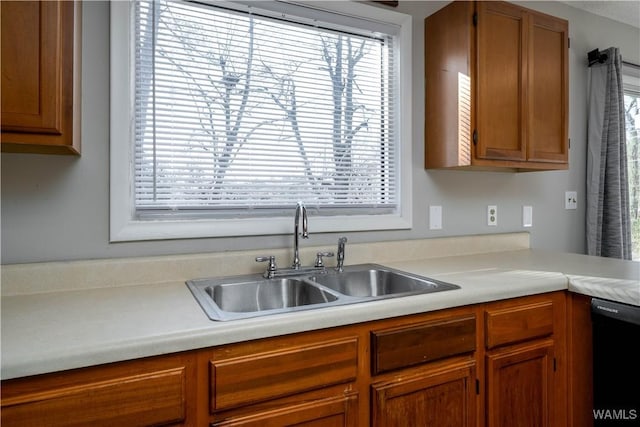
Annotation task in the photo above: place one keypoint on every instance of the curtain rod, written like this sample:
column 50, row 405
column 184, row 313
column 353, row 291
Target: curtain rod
column 596, row 56
column 631, row 64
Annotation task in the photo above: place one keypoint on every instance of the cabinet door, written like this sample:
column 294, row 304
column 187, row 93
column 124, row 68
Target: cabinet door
column 548, row 79
column 40, row 84
column 441, row 398
column 520, row 385
column 500, row 82
column 338, row 411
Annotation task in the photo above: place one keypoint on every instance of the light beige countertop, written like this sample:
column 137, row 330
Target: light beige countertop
column 87, row 313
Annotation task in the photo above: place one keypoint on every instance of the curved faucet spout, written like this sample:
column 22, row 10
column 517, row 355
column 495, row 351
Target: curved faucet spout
column 300, row 209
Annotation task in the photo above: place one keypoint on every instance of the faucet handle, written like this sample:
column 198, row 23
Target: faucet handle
column 271, row 267
column 319, row 256
column 342, row 241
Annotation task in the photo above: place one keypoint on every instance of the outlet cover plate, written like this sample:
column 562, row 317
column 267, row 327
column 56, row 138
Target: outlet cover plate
column 492, row 215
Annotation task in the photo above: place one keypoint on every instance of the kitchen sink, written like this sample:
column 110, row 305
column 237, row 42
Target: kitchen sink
column 241, row 297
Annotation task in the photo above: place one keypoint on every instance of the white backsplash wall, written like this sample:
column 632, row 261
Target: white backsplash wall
column 57, row 208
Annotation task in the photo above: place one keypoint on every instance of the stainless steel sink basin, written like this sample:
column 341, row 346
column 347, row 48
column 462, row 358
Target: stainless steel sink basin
column 269, row 294
column 240, row 297
column 377, row 281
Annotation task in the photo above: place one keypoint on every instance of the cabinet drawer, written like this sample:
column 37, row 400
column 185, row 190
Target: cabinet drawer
column 155, row 397
column 332, row 411
column 268, row 375
column 404, row 346
column 514, row 324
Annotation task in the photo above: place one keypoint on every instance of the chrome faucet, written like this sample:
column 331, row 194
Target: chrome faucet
column 340, row 257
column 296, row 268
column 300, row 208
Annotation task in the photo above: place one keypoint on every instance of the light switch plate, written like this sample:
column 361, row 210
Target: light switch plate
column 435, row 217
column 571, row 200
column 527, row 216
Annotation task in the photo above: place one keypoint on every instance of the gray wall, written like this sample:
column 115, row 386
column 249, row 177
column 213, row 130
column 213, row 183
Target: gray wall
column 57, row 208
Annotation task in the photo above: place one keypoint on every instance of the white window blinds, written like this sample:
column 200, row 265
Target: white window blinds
column 240, row 112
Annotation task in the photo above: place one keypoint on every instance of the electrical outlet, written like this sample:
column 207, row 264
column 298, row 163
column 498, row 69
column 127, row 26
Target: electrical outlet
column 527, row 216
column 435, row 217
column 571, row 200
column 492, row 215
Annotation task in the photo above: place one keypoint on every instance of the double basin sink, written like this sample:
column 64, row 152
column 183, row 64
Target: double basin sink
column 241, row 297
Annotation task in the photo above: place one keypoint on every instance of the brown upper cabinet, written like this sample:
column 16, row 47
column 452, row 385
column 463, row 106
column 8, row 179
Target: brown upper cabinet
column 41, row 76
column 496, row 88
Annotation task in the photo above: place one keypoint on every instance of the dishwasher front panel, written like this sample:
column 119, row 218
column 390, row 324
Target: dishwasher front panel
column 616, row 363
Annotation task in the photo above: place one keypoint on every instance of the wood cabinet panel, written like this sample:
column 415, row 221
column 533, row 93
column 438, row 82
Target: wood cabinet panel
column 500, row 82
column 438, row 397
column 40, row 76
column 580, row 361
column 31, row 68
column 448, row 124
column 255, row 377
column 519, row 323
column 548, row 139
column 406, row 346
column 340, row 411
column 137, row 393
column 519, row 385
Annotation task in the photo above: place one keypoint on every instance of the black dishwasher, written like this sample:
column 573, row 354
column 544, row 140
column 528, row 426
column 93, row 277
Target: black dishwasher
column 616, row 363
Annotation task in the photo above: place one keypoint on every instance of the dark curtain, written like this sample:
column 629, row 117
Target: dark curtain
column 608, row 225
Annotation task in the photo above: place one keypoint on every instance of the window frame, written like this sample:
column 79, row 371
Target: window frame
column 631, row 87
column 124, row 226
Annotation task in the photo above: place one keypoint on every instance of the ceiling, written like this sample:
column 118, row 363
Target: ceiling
column 622, row 11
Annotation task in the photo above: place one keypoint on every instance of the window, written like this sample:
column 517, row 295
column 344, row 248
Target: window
column 631, row 81
column 235, row 113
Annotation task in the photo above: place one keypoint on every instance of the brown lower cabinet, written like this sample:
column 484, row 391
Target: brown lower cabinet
column 495, row 364
column 526, row 362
